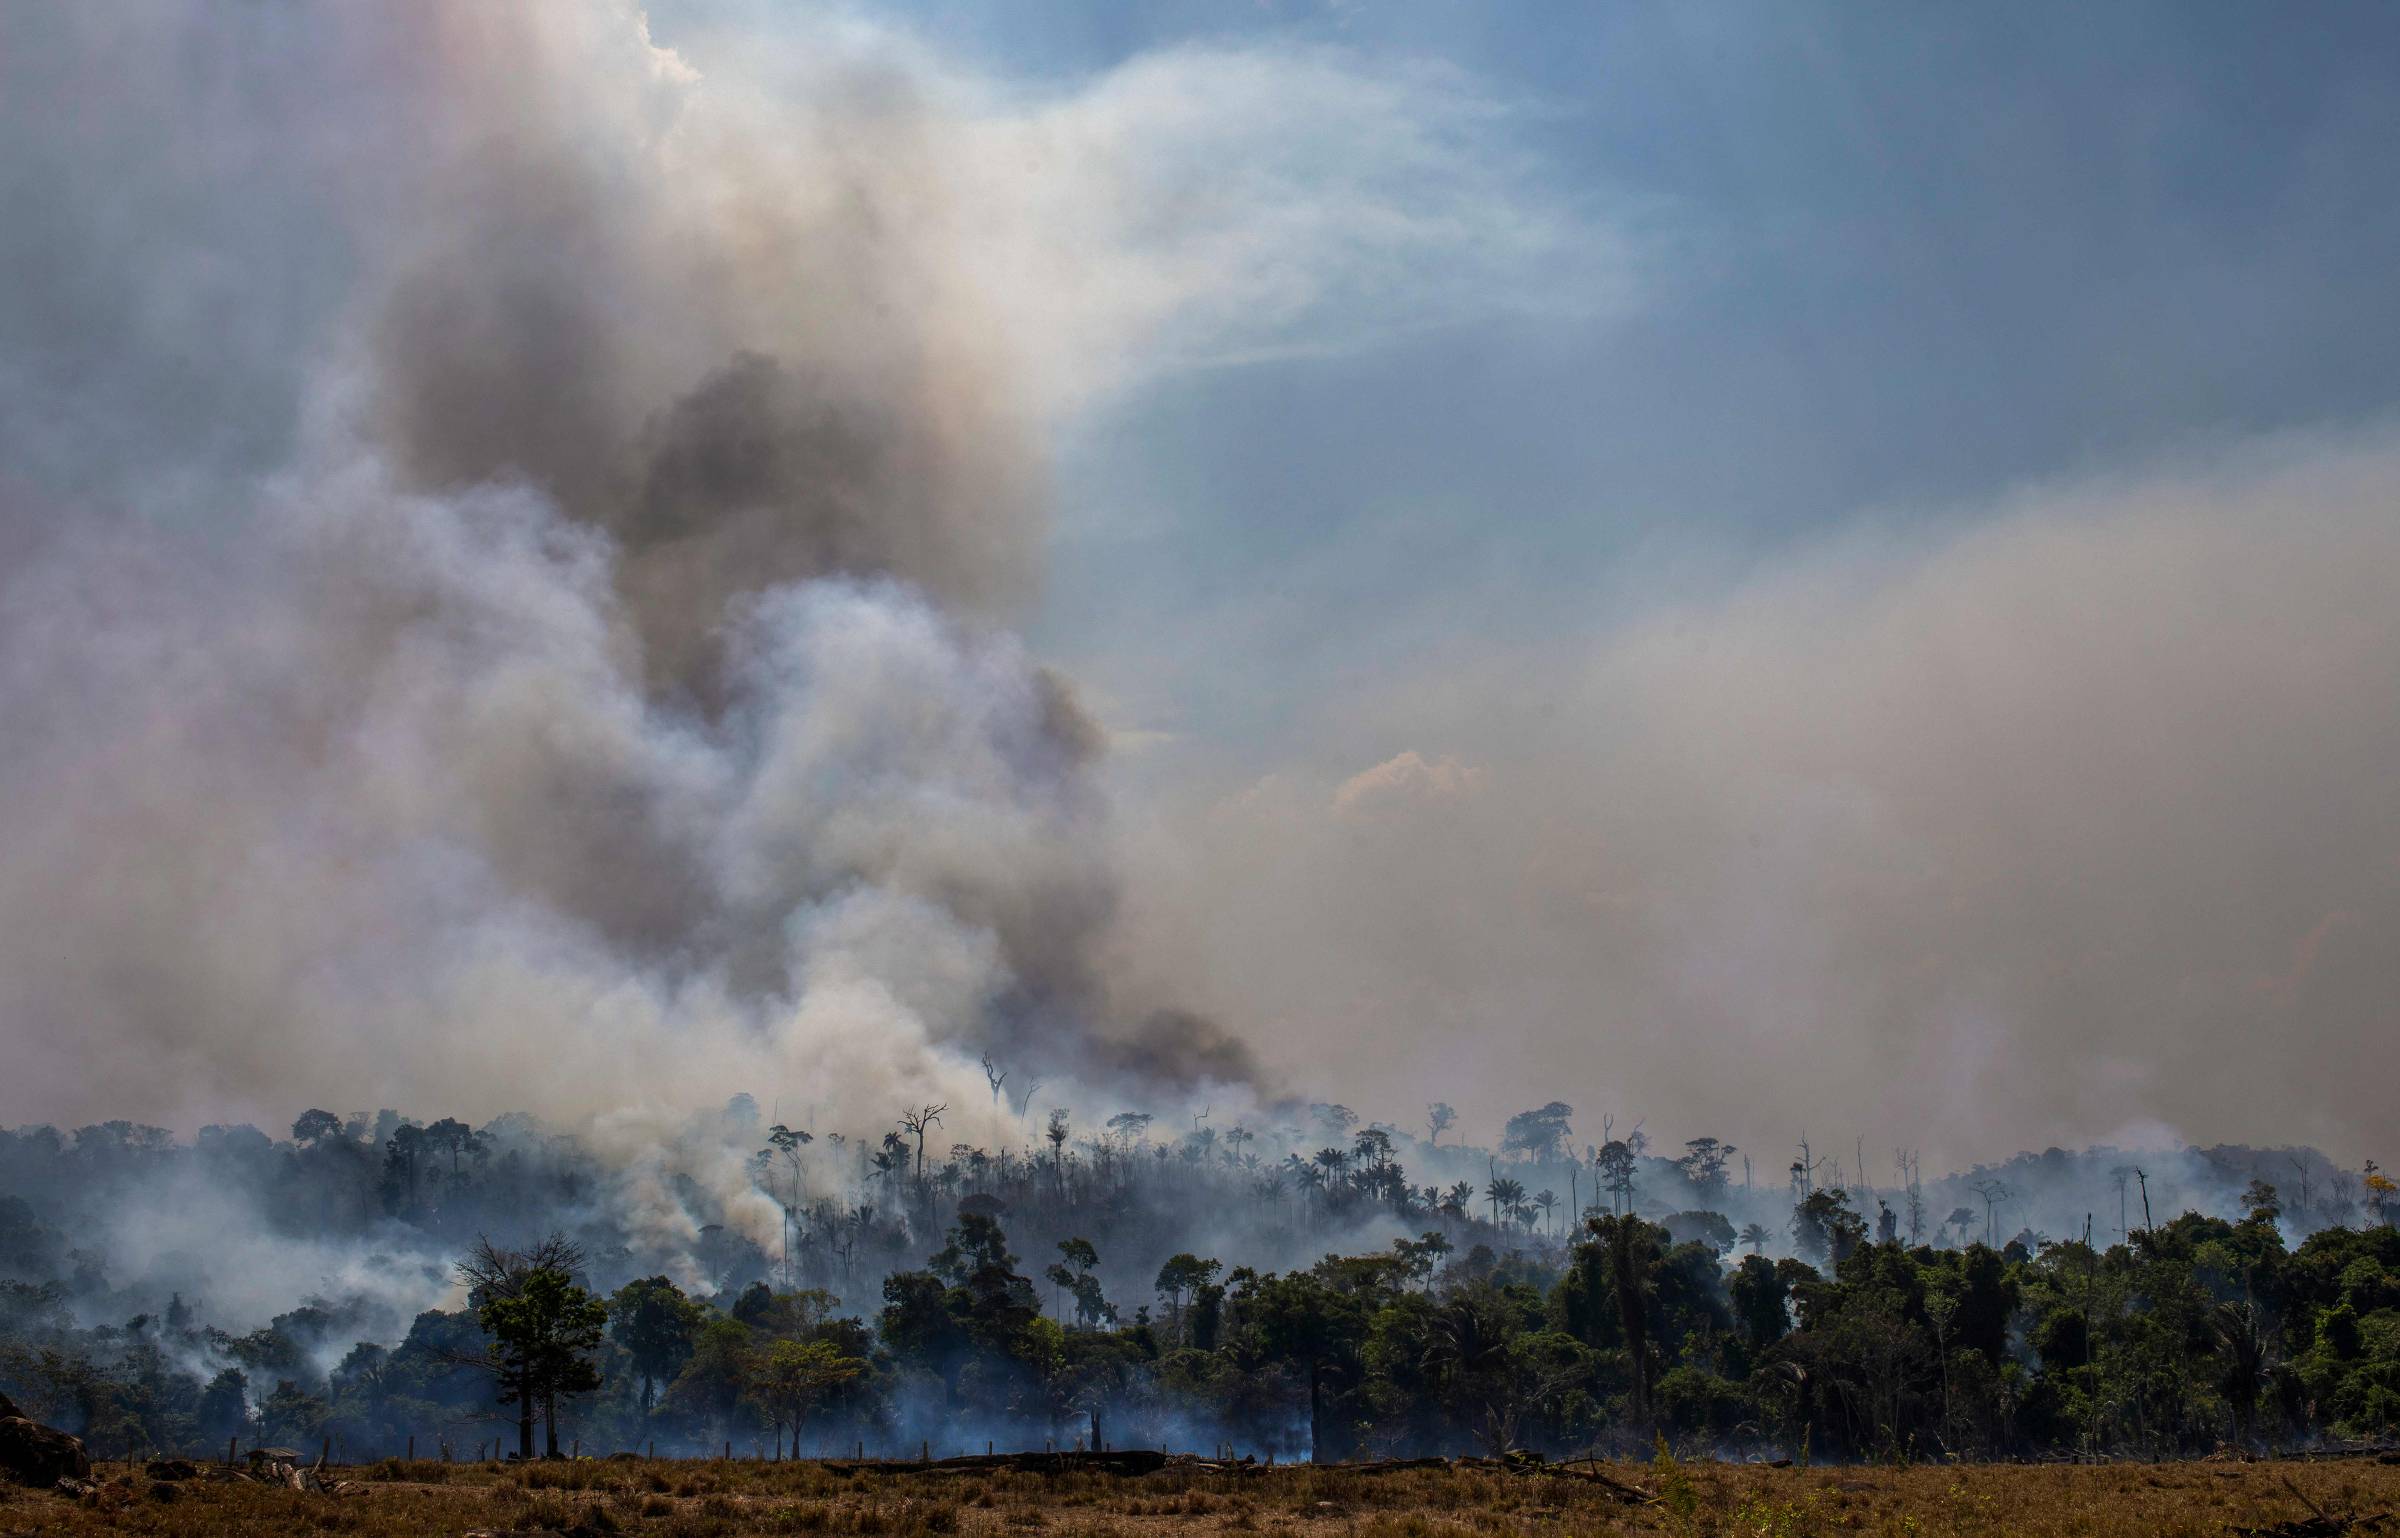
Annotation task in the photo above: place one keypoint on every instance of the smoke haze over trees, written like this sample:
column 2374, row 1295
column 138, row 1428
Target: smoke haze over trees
column 1287, row 1289
column 518, row 543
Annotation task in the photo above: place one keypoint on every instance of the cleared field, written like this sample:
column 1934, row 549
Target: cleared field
column 722, row 1500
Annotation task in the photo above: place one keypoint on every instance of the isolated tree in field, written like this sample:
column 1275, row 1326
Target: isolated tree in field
column 654, row 1322
column 792, row 1380
column 550, row 1330
column 1439, row 1118
column 543, row 1328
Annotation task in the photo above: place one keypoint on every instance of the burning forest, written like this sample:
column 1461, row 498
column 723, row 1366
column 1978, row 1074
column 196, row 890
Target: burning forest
column 1309, row 1288
column 570, row 884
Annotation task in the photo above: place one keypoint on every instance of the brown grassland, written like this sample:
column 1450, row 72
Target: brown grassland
column 724, row 1500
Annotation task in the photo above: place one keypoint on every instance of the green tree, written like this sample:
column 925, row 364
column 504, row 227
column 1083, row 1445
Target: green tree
column 543, row 1329
column 1826, row 1227
column 792, row 1379
column 316, row 1127
column 654, row 1322
column 1538, row 1134
column 1182, row 1274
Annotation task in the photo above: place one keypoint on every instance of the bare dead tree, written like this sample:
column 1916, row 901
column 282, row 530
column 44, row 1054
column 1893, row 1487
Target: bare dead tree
column 498, row 1273
column 915, row 1122
column 492, row 1273
column 993, row 1076
column 1993, row 1192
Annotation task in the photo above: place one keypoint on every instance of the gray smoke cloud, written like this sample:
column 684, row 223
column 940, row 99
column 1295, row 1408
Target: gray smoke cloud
column 513, row 530
column 2072, row 821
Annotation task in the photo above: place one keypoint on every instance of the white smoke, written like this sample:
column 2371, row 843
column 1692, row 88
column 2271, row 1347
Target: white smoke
column 513, row 532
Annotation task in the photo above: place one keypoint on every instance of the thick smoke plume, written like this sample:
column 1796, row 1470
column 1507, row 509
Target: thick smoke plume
column 512, row 535
column 598, row 709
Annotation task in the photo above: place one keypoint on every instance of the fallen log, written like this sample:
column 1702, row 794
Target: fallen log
column 2319, row 1523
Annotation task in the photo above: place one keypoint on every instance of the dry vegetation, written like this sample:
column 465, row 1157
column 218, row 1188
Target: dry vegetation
column 720, row 1500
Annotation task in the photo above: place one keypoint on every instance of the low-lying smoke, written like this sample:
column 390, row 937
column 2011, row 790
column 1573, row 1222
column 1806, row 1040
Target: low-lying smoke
column 2025, row 830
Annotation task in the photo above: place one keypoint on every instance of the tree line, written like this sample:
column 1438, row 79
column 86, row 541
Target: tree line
column 2187, row 1336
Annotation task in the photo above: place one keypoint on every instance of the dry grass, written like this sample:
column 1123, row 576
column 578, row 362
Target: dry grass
column 721, row 1500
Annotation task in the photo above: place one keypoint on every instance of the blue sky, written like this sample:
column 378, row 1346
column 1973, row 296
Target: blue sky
column 1890, row 260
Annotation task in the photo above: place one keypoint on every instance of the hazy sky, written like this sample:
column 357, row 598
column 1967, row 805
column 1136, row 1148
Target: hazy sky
column 1840, row 305
column 1742, row 566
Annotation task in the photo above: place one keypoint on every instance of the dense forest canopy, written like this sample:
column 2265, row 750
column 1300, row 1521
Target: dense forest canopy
column 1309, row 1286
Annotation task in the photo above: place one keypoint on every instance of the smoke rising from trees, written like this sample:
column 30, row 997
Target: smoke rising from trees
column 512, row 535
